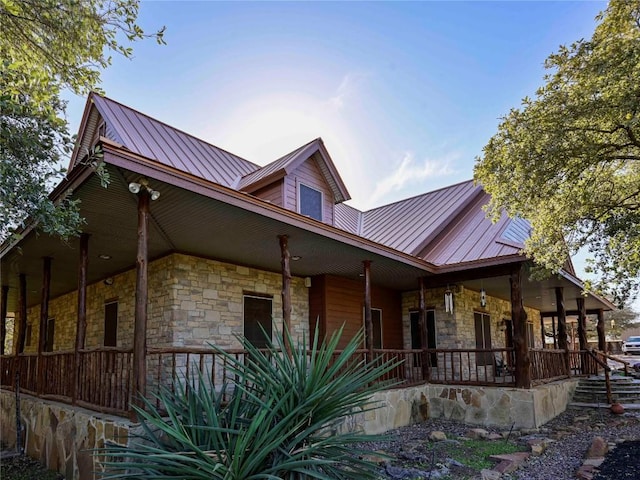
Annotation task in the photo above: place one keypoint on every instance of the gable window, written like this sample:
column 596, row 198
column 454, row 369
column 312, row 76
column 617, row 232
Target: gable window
column 111, row 324
column 376, row 320
column 257, row 317
column 483, row 338
column 310, row 202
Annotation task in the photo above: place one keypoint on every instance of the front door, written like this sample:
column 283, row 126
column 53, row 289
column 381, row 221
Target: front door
column 257, row 320
column 416, row 338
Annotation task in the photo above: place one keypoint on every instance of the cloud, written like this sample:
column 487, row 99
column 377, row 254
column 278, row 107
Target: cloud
column 347, row 88
column 410, row 172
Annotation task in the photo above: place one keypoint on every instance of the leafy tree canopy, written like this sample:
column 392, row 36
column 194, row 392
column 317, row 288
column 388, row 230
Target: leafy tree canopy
column 569, row 159
column 47, row 46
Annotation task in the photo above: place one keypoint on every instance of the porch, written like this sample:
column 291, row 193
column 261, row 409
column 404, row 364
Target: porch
column 100, row 379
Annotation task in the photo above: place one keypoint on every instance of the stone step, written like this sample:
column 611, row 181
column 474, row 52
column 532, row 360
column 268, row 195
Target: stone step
column 627, row 406
column 588, row 391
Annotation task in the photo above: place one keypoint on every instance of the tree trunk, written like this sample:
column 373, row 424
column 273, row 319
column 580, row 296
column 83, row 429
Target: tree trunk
column 286, row 292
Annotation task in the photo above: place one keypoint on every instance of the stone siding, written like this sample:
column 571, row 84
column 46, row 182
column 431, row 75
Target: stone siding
column 61, row 436
column 485, row 406
column 457, row 329
column 192, row 302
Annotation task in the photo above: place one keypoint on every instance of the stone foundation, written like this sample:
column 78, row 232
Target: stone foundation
column 60, row 436
column 487, row 406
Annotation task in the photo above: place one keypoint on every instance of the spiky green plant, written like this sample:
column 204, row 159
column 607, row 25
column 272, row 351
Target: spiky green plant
column 280, row 419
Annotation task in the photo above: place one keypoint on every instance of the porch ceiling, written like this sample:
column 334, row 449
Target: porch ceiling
column 186, row 222
column 194, row 223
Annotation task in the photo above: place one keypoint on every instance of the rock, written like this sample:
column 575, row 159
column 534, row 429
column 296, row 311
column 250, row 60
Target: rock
column 477, row 433
column 594, row 462
column 584, row 418
column 494, row 436
column 599, row 448
column 486, row 474
column 437, row 436
column 585, row 472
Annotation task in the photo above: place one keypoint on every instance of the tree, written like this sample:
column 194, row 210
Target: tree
column 47, row 46
column 569, row 160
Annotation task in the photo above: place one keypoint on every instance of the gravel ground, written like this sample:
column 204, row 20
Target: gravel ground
column 572, row 432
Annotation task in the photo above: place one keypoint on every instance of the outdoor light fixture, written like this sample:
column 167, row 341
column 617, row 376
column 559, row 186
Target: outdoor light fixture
column 483, row 298
column 448, row 300
column 135, row 187
column 104, row 256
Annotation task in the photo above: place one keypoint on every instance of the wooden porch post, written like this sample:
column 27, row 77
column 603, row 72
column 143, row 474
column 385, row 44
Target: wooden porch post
column 424, row 334
column 519, row 321
column 543, row 338
column 21, row 321
column 81, row 322
column 602, row 340
column 142, row 280
column 286, row 292
column 3, row 319
column 582, row 324
column 368, row 322
column 44, row 316
column 562, row 328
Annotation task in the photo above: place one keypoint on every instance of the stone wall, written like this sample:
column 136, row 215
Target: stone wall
column 486, row 406
column 61, row 436
column 192, row 302
column 457, row 329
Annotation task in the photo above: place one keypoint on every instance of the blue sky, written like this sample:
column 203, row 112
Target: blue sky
column 404, row 94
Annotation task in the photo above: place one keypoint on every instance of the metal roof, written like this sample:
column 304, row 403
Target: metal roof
column 406, row 225
column 151, row 138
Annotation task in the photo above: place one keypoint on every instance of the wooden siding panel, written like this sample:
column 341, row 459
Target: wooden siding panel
column 309, row 174
column 271, row 193
column 344, row 299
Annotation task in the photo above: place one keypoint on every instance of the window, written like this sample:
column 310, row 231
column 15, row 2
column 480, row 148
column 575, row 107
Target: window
column 111, row 324
column 257, row 317
column 310, row 202
column 416, row 338
column 483, row 338
column 49, row 335
column 376, row 320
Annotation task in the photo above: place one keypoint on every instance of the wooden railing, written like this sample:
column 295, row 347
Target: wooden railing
column 547, row 365
column 103, row 377
column 472, row 366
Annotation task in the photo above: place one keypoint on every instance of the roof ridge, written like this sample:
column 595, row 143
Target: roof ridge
column 282, row 156
column 418, row 195
column 104, row 97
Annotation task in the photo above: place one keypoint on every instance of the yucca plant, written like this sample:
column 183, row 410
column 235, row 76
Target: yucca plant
column 280, row 419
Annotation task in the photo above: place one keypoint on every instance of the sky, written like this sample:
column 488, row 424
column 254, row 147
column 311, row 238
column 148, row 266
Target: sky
column 404, row 94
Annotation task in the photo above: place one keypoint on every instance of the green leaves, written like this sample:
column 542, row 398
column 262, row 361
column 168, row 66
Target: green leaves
column 569, row 160
column 47, row 46
column 282, row 419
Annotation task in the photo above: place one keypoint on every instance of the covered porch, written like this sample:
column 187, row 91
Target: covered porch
column 126, row 231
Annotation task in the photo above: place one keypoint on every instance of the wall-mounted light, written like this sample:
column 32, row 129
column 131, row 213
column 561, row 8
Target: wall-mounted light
column 483, row 298
column 135, row 187
column 448, row 300
column 307, row 282
column 108, row 281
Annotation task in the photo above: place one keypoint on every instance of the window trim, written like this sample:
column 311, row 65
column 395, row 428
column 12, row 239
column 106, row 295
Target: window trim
column 299, row 195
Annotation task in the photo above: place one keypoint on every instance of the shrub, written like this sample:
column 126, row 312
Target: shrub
column 280, row 419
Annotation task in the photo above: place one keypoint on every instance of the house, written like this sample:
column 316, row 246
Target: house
column 190, row 245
